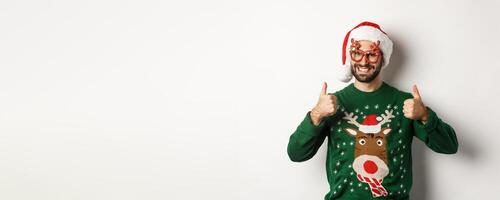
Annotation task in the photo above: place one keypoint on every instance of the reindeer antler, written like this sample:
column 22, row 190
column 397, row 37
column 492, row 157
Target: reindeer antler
column 387, row 117
column 351, row 119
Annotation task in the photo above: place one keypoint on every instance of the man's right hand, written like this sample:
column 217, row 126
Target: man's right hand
column 326, row 106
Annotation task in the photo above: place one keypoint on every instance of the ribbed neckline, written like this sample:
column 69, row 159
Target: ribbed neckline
column 383, row 87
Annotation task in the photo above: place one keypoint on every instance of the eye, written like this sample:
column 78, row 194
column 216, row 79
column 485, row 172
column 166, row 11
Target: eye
column 380, row 142
column 362, row 141
column 373, row 57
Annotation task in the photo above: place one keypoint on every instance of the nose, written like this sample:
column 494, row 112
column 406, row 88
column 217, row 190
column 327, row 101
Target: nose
column 364, row 60
column 370, row 167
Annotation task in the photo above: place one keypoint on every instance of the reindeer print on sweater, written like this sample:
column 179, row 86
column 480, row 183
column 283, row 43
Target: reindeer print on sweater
column 374, row 147
column 370, row 153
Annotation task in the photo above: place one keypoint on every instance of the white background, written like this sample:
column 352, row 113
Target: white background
column 197, row 99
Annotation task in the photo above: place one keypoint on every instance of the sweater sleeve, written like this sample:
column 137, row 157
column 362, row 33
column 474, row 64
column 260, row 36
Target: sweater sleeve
column 436, row 134
column 307, row 138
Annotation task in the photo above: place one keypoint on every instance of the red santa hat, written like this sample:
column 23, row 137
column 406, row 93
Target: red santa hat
column 364, row 31
column 370, row 124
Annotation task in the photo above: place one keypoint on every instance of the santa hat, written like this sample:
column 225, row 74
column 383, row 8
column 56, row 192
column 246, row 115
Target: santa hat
column 371, row 124
column 364, row 31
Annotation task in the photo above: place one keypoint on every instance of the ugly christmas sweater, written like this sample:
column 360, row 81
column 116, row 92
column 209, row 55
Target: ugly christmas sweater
column 369, row 143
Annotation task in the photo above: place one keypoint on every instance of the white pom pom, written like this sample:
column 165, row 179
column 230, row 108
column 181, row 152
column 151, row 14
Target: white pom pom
column 344, row 73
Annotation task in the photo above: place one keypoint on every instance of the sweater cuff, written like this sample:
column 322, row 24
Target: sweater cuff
column 309, row 128
column 431, row 121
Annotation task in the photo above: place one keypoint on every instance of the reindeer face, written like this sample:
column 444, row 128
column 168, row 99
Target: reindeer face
column 370, row 154
column 370, row 144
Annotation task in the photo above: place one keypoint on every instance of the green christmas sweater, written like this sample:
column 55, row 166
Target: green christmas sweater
column 369, row 143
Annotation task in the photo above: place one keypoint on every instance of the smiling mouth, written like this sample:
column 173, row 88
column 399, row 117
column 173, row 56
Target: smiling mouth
column 364, row 70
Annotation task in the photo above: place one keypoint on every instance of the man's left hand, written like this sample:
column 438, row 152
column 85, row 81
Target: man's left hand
column 415, row 108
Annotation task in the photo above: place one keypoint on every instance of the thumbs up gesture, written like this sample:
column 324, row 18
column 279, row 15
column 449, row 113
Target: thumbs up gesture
column 415, row 108
column 326, row 106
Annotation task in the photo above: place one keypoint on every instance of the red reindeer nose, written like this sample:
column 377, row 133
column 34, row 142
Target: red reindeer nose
column 370, row 167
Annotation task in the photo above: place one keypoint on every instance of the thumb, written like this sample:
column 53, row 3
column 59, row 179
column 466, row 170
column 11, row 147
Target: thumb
column 323, row 90
column 415, row 92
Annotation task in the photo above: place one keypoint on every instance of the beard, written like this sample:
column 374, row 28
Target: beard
column 368, row 72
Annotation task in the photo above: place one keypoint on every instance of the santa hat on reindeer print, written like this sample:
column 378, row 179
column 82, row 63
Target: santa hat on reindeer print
column 371, row 124
column 364, row 31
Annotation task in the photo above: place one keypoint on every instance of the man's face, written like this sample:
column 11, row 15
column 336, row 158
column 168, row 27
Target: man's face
column 368, row 60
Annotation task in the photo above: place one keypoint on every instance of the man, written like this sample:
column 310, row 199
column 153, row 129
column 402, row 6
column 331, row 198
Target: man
column 370, row 125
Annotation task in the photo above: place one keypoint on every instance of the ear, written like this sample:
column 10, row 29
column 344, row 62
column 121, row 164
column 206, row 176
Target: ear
column 351, row 131
column 386, row 131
